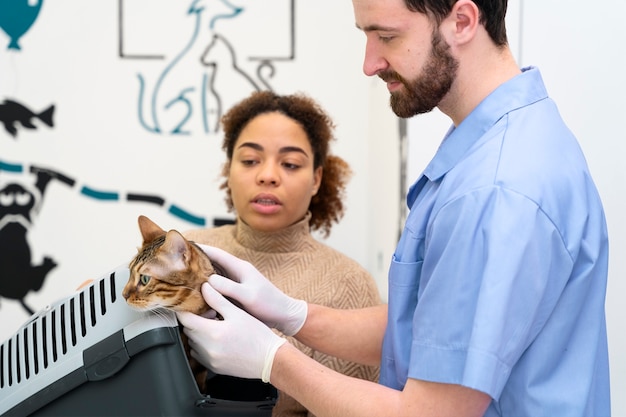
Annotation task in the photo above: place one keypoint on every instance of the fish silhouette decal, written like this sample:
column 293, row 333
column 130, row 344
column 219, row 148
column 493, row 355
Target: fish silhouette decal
column 12, row 112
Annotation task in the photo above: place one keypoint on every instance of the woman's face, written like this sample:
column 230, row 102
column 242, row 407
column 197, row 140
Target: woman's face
column 271, row 176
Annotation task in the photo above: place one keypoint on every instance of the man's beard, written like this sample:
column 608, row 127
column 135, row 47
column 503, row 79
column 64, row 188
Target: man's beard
column 426, row 91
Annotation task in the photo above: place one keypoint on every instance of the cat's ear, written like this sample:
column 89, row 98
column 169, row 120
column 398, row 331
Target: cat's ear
column 149, row 229
column 176, row 248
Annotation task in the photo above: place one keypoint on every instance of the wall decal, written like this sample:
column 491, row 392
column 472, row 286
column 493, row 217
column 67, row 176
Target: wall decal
column 220, row 59
column 18, row 205
column 17, row 17
column 178, row 101
column 206, row 74
column 12, row 112
column 107, row 195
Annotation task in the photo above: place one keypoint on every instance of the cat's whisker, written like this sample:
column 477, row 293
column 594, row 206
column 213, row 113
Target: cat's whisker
column 165, row 315
column 145, row 313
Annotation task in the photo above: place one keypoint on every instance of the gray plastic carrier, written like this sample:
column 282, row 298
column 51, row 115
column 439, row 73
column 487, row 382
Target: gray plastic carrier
column 91, row 354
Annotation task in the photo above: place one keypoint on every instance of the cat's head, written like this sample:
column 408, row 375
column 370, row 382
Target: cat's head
column 167, row 272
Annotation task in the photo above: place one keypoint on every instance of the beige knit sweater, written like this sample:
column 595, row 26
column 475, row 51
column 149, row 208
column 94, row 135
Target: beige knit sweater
column 303, row 268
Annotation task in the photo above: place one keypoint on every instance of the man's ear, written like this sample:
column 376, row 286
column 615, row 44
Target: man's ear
column 462, row 22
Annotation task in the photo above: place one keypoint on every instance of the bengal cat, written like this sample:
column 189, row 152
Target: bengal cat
column 167, row 273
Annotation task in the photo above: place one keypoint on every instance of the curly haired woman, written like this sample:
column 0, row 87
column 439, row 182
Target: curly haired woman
column 282, row 183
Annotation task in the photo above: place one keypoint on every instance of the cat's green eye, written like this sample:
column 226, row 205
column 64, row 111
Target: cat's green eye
column 144, row 279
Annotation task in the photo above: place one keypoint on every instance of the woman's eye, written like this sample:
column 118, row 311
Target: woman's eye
column 290, row 165
column 144, row 279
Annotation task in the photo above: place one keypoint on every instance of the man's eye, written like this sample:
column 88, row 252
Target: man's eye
column 144, row 279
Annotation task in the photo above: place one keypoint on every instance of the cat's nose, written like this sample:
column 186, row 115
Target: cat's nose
column 125, row 293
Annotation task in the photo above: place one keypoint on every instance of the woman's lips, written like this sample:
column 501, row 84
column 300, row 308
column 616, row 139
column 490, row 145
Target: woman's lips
column 265, row 201
column 266, row 204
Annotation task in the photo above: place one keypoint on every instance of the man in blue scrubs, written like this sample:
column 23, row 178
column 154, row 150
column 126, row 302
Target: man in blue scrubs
column 497, row 286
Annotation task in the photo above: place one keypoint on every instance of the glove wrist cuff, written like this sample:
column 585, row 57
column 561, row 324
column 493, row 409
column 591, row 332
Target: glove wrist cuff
column 294, row 323
column 269, row 359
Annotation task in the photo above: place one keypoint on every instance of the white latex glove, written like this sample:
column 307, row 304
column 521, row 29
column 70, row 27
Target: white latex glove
column 239, row 345
column 257, row 295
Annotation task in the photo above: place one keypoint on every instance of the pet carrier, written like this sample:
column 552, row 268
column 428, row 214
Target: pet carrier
column 91, row 354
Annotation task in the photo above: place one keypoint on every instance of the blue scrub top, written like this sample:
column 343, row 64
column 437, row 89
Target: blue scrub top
column 498, row 282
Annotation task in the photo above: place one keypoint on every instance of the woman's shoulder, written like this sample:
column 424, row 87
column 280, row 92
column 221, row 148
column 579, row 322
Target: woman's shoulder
column 339, row 260
column 211, row 236
column 349, row 284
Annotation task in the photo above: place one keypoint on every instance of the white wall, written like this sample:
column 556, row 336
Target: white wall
column 578, row 50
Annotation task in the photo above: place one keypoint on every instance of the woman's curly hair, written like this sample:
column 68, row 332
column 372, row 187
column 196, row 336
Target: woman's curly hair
column 327, row 205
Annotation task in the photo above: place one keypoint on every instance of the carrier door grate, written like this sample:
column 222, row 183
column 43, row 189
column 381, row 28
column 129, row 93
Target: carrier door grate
column 51, row 333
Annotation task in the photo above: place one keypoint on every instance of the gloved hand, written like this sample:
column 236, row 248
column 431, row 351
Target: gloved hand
column 239, row 345
column 257, row 295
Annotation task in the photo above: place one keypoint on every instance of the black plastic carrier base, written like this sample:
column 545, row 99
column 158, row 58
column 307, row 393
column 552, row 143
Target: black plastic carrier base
column 92, row 355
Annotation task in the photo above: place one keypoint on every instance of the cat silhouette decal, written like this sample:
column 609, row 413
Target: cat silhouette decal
column 12, row 112
column 18, row 276
column 172, row 100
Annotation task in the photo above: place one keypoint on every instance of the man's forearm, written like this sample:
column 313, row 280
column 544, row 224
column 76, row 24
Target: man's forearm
column 354, row 335
column 325, row 392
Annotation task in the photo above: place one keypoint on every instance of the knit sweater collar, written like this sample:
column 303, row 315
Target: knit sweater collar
column 294, row 238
